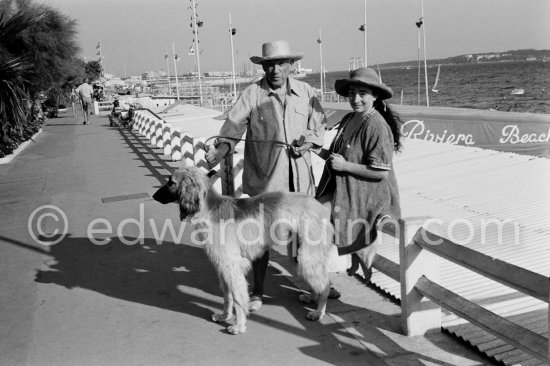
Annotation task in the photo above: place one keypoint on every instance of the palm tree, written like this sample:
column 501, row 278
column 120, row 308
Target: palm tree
column 14, row 71
column 37, row 57
column 14, row 106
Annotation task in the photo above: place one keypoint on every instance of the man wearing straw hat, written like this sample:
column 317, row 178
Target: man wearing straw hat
column 285, row 120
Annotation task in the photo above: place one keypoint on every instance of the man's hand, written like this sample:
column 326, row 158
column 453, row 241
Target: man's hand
column 337, row 162
column 298, row 151
column 214, row 156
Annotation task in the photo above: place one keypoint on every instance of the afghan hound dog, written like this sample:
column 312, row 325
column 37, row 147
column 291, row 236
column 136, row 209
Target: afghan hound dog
column 234, row 232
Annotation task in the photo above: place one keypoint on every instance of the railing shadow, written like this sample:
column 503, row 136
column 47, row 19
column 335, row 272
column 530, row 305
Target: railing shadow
column 179, row 278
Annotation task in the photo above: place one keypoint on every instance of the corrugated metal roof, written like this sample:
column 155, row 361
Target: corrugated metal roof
column 475, row 186
column 450, row 182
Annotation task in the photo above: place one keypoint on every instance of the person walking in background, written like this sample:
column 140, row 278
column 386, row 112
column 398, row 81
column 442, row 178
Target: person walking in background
column 75, row 99
column 276, row 108
column 358, row 182
column 85, row 92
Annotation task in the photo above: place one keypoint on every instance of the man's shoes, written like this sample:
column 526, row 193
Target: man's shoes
column 334, row 294
column 255, row 303
column 84, row 122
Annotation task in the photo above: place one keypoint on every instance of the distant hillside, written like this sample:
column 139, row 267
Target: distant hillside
column 512, row 55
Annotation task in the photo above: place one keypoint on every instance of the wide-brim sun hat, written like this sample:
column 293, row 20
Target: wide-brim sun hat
column 276, row 50
column 363, row 77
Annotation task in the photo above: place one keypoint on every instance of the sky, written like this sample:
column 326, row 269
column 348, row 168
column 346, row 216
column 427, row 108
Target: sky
column 135, row 34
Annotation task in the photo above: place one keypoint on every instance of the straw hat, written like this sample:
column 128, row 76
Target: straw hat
column 363, row 77
column 276, row 50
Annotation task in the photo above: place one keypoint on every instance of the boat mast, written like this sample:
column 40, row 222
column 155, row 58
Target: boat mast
column 425, row 63
column 436, row 79
column 196, row 35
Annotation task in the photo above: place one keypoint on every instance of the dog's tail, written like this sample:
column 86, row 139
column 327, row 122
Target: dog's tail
column 313, row 253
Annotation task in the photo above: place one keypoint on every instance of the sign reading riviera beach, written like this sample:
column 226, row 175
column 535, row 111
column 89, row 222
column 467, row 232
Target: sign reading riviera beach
column 523, row 133
column 509, row 134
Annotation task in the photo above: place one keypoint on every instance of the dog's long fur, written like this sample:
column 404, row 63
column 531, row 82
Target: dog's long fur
column 223, row 224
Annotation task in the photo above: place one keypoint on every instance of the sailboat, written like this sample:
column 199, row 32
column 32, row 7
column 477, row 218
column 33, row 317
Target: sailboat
column 436, row 79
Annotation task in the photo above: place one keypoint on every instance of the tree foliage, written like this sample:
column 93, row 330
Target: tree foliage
column 49, row 42
column 13, row 96
column 38, row 56
column 93, row 70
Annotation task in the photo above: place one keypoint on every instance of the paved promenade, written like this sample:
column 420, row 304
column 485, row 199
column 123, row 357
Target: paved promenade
column 111, row 292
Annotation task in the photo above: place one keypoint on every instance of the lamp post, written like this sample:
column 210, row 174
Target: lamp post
column 419, row 26
column 425, row 64
column 168, row 73
column 101, row 62
column 321, row 73
column 196, row 24
column 363, row 28
column 176, row 72
column 232, row 32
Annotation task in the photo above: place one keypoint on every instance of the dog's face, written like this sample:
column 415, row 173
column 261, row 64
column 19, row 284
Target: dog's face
column 167, row 193
column 187, row 186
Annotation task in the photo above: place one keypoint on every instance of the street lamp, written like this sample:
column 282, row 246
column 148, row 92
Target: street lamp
column 168, row 73
column 197, row 23
column 321, row 74
column 232, row 32
column 363, row 28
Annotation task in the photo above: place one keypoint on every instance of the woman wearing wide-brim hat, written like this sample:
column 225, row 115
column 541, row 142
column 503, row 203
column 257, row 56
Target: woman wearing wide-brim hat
column 358, row 182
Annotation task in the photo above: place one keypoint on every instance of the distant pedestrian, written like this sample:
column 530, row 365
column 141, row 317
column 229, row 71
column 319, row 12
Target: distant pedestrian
column 85, row 92
column 116, row 105
column 358, row 183
column 75, row 99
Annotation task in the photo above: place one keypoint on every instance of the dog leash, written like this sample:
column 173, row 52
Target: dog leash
column 296, row 143
column 213, row 172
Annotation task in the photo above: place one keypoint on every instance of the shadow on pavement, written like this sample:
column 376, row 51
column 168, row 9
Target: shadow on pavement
column 143, row 151
column 179, row 278
column 148, row 274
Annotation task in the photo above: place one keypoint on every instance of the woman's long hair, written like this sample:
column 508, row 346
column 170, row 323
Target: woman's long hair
column 392, row 119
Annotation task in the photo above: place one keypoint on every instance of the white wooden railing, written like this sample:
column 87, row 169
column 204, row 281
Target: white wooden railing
column 421, row 296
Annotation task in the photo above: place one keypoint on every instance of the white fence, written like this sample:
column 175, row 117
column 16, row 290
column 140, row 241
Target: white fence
column 421, row 296
column 191, row 150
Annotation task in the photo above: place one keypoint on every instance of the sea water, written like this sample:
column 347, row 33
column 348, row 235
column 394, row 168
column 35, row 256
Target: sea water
column 479, row 86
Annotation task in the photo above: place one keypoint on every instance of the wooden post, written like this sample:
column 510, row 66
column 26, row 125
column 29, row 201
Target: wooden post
column 143, row 125
column 419, row 315
column 175, row 142
column 226, row 174
column 238, row 174
column 153, row 133
column 139, row 127
column 156, row 140
column 199, row 153
column 137, row 119
column 187, row 149
column 146, row 127
column 150, row 129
